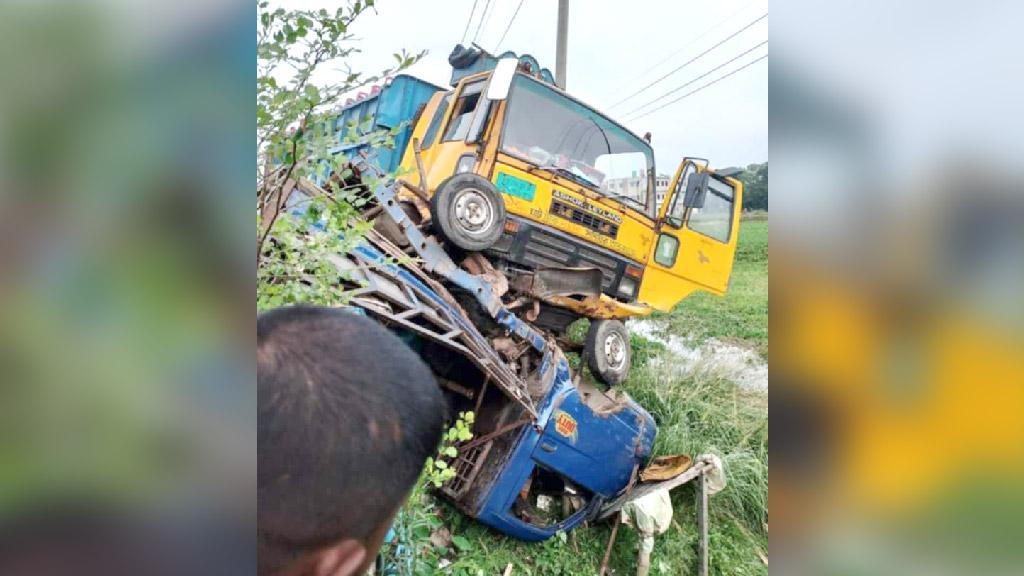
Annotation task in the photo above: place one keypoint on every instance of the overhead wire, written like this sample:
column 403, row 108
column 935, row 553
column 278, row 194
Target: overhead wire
column 691, row 42
column 691, row 60
column 468, row 22
column 680, row 87
column 483, row 18
column 509, row 27
column 708, row 85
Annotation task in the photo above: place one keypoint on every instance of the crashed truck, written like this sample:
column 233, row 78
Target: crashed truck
column 550, row 197
column 550, row 450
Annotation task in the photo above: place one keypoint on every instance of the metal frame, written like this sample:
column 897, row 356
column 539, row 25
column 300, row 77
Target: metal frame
column 436, row 260
column 397, row 296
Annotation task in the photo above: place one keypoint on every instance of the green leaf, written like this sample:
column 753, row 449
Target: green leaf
column 462, row 543
column 312, row 93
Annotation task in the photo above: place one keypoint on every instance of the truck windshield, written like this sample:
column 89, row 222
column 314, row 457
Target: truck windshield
column 552, row 131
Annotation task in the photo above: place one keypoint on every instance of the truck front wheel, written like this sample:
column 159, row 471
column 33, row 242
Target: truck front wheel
column 608, row 351
column 469, row 211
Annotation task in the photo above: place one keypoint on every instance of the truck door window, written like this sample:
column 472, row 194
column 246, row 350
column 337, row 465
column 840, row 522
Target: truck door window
column 714, row 219
column 435, row 122
column 462, row 115
column 677, row 210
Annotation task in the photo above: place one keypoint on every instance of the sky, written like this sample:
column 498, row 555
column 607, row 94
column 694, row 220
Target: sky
column 615, row 49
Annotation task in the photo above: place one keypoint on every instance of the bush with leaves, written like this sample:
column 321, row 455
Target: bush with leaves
column 299, row 90
column 437, row 470
column 415, row 548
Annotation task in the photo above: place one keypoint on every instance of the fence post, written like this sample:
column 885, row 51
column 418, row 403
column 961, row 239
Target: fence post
column 702, row 526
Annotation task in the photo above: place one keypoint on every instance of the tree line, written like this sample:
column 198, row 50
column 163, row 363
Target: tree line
column 755, row 186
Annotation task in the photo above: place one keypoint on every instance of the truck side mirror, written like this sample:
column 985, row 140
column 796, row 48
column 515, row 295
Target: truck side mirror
column 501, row 79
column 696, row 190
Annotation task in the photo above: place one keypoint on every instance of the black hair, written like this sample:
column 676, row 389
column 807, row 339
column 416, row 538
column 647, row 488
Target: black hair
column 347, row 415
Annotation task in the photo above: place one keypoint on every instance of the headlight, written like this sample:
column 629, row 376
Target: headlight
column 627, row 287
column 465, row 164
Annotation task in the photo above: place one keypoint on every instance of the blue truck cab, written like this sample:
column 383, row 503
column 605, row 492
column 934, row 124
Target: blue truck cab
column 577, row 454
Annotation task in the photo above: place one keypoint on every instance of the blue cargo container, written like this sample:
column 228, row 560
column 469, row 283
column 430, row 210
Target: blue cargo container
column 399, row 100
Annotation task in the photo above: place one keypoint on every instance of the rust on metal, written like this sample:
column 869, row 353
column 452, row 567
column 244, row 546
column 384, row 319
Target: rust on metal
column 478, row 265
column 503, row 430
column 458, row 388
column 507, row 347
column 666, row 467
column 415, row 190
column 419, row 167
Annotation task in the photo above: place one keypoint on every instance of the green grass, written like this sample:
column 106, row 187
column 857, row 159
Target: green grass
column 695, row 415
column 742, row 314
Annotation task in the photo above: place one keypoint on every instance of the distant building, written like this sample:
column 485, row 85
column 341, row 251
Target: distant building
column 661, row 190
column 635, row 187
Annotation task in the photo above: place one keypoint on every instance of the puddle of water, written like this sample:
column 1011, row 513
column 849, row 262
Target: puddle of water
column 741, row 365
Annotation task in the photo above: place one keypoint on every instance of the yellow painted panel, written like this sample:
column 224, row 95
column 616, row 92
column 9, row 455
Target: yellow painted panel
column 634, row 230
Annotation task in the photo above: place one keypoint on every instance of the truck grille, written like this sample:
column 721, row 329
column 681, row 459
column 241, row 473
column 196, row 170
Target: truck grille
column 535, row 246
column 585, row 219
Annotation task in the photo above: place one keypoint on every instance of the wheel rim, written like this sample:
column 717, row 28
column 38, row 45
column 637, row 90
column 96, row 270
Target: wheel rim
column 473, row 212
column 615, row 351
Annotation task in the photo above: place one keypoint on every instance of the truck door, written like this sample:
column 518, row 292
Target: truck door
column 697, row 229
column 595, row 452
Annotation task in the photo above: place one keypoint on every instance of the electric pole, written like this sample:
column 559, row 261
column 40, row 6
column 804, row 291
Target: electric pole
column 561, row 43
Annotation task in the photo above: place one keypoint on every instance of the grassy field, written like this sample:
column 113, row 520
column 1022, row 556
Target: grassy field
column 742, row 315
column 695, row 414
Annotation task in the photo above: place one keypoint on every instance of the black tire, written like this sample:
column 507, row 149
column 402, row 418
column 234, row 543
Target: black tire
column 468, row 211
column 608, row 351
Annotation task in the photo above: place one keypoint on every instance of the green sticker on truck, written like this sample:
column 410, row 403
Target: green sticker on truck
column 515, row 186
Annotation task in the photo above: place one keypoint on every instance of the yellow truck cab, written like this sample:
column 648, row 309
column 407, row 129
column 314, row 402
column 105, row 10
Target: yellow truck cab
column 561, row 201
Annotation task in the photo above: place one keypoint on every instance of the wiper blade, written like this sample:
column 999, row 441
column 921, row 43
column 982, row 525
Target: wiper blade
column 582, row 180
column 569, row 174
column 624, row 197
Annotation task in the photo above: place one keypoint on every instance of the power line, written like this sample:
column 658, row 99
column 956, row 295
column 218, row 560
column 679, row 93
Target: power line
column 691, row 60
column 509, row 27
column 468, row 22
column 691, row 42
column 709, row 84
column 483, row 17
column 678, row 88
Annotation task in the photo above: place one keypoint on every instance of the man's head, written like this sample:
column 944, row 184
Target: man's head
column 347, row 415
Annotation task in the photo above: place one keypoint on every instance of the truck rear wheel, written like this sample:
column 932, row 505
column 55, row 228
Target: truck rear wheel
column 608, row 351
column 469, row 211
